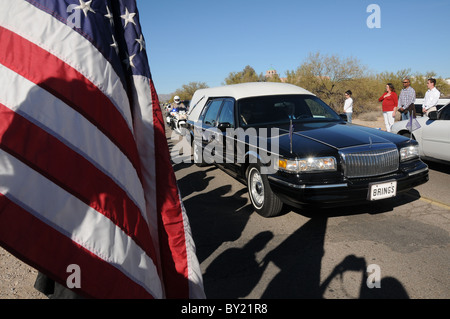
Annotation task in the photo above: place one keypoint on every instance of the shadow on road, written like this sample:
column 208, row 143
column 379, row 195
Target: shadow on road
column 235, row 272
column 215, row 216
column 299, row 259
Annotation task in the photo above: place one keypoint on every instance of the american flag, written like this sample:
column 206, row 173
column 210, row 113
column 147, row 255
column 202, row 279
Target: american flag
column 85, row 171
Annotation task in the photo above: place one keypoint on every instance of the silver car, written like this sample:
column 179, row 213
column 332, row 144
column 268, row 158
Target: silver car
column 432, row 133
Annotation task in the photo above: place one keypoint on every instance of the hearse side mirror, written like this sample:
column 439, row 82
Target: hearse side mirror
column 433, row 115
column 343, row 116
column 224, row 126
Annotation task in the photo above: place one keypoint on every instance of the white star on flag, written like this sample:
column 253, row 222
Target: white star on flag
column 129, row 61
column 128, row 17
column 109, row 16
column 85, row 7
column 115, row 45
column 141, row 42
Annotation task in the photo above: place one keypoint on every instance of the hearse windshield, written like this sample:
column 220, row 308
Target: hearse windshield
column 281, row 109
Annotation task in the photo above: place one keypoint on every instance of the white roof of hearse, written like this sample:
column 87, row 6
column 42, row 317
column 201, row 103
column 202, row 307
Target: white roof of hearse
column 240, row 91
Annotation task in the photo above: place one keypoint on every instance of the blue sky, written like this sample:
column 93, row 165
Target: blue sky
column 203, row 41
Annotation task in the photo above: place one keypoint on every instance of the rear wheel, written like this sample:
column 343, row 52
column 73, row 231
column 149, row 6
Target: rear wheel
column 264, row 200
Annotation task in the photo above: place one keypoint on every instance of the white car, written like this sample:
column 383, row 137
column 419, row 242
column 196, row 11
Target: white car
column 433, row 134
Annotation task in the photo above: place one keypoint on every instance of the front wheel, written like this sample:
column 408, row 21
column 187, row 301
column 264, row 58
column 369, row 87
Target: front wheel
column 264, row 200
column 408, row 135
column 197, row 154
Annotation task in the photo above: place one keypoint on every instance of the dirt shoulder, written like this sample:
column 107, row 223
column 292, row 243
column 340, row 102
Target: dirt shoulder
column 17, row 278
column 379, row 123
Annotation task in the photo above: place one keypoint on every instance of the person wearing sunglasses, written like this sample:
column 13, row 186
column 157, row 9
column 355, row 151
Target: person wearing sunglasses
column 406, row 99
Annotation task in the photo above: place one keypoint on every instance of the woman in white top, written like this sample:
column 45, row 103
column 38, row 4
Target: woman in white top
column 348, row 106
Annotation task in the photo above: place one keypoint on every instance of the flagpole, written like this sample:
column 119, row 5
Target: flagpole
column 412, row 125
column 291, row 131
column 410, row 122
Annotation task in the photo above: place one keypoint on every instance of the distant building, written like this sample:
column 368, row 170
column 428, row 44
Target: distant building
column 272, row 72
column 448, row 81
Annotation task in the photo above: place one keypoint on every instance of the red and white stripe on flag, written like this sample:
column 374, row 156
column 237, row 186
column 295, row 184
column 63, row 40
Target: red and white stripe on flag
column 85, row 172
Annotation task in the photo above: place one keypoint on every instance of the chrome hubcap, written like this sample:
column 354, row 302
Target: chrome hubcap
column 256, row 188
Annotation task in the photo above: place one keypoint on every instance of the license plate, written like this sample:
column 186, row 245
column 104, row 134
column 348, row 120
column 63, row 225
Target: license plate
column 383, row 190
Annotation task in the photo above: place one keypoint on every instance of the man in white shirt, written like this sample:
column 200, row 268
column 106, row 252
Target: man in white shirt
column 431, row 97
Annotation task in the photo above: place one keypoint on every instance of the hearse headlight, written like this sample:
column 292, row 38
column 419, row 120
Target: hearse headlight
column 305, row 165
column 286, row 165
column 409, row 152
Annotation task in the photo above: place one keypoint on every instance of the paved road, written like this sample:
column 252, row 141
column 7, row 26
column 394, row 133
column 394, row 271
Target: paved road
column 402, row 243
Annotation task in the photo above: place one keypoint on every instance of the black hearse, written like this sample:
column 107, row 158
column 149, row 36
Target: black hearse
column 303, row 153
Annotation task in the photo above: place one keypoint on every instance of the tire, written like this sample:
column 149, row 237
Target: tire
column 408, row 135
column 263, row 199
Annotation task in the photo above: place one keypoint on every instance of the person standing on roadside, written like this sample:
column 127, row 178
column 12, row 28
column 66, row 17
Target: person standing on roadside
column 431, row 97
column 348, row 105
column 389, row 104
column 406, row 99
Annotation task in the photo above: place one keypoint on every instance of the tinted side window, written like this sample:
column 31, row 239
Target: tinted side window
column 212, row 112
column 227, row 113
column 317, row 109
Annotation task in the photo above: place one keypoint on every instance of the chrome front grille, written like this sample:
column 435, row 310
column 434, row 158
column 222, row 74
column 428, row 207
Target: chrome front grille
column 370, row 160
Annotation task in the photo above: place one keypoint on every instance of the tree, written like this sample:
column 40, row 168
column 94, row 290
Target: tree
column 327, row 76
column 246, row 75
column 188, row 90
column 273, row 78
column 395, row 79
column 443, row 87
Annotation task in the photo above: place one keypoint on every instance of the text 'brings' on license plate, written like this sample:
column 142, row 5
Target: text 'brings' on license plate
column 381, row 191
